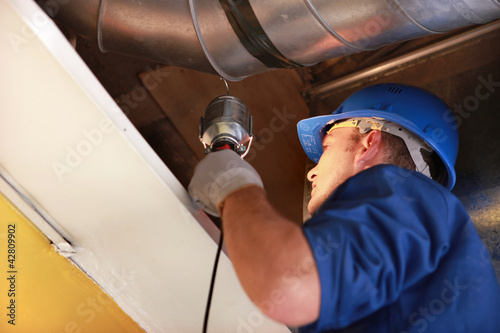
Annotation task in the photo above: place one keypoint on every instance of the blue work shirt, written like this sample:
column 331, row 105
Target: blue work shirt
column 397, row 252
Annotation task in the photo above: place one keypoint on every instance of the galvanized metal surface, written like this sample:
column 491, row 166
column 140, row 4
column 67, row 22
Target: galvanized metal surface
column 200, row 35
column 324, row 89
column 158, row 30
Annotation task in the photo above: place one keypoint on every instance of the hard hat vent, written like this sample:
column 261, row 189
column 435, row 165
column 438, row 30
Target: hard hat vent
column 395, row 90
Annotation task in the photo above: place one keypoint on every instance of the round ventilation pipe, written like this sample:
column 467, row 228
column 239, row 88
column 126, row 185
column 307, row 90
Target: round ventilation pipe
column 240, row 38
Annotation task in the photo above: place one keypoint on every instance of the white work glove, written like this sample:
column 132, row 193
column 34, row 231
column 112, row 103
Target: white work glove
column 218, row 175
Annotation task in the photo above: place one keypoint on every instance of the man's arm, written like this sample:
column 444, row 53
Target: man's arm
column 271, row 257
column 270, row 254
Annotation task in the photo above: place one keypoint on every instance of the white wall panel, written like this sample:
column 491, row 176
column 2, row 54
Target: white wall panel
column 77, row 158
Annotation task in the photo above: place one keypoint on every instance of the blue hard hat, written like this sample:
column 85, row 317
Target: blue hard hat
column 418, row 110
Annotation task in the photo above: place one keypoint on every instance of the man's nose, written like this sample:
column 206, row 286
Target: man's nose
column 312, row 174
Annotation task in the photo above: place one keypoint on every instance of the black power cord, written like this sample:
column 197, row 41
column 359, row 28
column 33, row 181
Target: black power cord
column 212, row 282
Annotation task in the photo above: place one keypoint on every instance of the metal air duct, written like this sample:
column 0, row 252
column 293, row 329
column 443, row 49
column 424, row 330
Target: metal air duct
column 240, row 38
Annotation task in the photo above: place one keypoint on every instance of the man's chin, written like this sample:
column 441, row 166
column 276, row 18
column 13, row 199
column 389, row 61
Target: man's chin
column 315, row 202
column 311, row 206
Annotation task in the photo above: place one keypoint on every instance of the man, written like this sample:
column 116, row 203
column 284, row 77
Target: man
column 387, row 249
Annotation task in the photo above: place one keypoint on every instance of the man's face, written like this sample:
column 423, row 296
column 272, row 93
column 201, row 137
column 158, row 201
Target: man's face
column 335, row 166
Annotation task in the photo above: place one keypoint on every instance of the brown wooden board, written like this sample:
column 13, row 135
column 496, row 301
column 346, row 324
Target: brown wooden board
column 274, row 101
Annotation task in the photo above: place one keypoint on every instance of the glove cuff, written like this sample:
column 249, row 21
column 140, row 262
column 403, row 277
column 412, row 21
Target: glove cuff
column 230, row 181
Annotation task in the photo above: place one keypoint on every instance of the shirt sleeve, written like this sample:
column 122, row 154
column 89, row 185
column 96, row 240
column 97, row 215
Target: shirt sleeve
column 381, row 232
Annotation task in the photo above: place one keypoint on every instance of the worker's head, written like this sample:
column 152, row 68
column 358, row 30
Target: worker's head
column 382, row 124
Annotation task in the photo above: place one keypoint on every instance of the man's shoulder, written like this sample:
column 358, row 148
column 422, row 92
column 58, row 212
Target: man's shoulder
column 396, row 191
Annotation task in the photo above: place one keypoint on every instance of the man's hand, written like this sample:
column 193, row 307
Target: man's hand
column 218, row 175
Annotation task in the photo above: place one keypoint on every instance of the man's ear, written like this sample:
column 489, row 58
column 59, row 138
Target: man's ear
column 370, row 150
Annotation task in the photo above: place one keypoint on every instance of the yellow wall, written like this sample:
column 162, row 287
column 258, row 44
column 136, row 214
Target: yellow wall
column 51, row 294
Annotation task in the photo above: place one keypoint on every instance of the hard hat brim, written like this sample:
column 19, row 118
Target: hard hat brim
column 311, row 136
